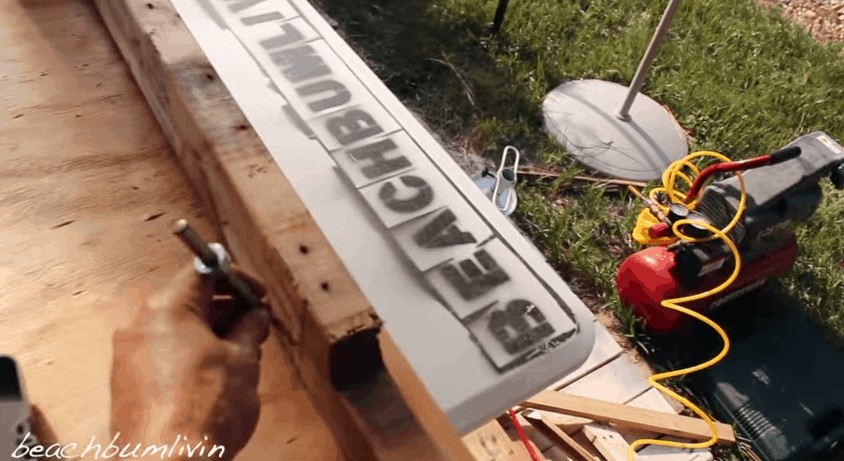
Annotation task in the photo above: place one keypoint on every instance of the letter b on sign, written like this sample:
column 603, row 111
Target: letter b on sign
column 519, row 325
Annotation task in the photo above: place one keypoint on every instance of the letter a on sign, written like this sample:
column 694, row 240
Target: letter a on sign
column 449, row 233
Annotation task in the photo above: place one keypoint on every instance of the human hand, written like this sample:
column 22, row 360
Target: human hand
column 188, row 365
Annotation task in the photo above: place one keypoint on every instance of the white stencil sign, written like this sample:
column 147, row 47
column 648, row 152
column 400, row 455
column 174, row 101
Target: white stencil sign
column 470, row 302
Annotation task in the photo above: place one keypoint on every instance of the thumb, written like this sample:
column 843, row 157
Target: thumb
column 251, row 330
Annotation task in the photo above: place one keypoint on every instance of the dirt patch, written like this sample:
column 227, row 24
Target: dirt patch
column 824, row 19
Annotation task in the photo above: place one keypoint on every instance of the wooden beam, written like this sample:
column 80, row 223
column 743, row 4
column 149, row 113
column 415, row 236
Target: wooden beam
column 329, row 331
column 626, row 416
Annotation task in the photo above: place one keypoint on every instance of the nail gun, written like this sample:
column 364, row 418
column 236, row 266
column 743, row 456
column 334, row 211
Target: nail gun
column 781, row 189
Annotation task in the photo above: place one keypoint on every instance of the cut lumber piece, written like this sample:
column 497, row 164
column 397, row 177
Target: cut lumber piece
column 651, row 400
column 491, row 442
column 625, row 416
column 584, row 442
column 562, row 440
column 656, row 400
column 536, row 437
column 608, row 442
column 618, row 381
column 328, row 328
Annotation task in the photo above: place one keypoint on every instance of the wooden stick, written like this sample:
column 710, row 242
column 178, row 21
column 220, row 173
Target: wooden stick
column 544, row 172
column 328, row 328
column 626, row 416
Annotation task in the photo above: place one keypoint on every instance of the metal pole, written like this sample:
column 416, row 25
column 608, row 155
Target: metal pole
column 499, row 15
column 650, row 54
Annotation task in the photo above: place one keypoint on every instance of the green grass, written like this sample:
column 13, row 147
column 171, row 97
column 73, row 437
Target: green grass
column 740, row 79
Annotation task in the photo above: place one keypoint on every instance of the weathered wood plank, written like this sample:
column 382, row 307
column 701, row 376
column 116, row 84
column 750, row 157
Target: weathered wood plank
column 328, row 327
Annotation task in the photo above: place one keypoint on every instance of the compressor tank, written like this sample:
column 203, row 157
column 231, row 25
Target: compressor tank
column 646, row 278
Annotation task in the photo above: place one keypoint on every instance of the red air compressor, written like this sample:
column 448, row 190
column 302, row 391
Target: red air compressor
column 781, row 188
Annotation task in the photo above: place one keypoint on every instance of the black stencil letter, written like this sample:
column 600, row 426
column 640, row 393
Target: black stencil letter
column 300, row 63
column 475, row 283
column 378, row 164
column 424, row 195
column 441, row 232
column 290, row 35
column 352, row 126
column 512, row 328
column 339, row 94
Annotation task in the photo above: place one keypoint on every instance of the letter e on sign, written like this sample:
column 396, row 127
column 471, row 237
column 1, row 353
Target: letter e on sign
column 475, row 278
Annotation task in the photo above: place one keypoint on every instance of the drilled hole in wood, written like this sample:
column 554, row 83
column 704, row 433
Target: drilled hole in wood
column 303, row 249
column 243, row 127
column 150, row 6
column 209, row 77
column 324, row 286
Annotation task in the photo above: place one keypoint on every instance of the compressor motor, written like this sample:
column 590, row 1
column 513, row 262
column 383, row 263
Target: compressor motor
column 784, row 191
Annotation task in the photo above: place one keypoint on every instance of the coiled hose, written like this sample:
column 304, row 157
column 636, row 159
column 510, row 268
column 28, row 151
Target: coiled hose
column 669, row 188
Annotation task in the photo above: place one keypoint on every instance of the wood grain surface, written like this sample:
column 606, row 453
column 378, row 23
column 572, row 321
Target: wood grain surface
column 88, row 187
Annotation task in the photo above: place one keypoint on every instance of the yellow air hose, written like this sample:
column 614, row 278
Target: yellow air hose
column 669, row 183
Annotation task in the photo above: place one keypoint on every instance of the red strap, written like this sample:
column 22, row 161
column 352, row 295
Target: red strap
column 533, row 455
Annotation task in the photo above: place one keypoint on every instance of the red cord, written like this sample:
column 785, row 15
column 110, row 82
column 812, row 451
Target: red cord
column 523, row 436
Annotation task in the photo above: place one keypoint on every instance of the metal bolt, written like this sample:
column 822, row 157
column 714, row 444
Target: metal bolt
column 189, row 237
column 214, row 262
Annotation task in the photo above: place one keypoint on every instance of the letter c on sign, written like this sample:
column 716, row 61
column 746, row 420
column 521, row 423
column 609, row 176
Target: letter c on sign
column 424, row 195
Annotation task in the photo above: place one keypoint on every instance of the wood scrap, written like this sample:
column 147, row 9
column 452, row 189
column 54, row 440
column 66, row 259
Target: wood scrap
column 583, row 441
column 562, row 440
column 608, row 441
column 618, row 381
column 537, row 438
column 491, row 442
column 651, row 400
column 625, row 416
